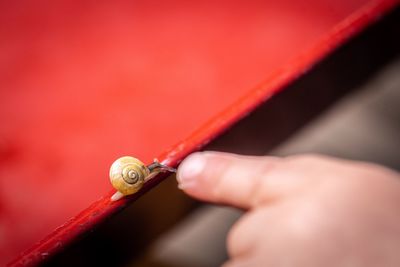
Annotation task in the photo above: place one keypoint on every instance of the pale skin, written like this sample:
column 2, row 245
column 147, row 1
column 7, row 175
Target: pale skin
column 305, row 210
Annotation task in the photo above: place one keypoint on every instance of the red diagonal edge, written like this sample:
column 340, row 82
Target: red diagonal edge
column 103, row 207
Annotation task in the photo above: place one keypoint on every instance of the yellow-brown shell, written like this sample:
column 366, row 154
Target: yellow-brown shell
column 127, row 175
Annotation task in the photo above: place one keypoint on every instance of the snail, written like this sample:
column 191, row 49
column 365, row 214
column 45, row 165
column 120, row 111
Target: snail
column 128, row 174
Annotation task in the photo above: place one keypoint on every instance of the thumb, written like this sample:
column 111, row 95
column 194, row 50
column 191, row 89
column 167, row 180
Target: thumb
column 224, row 178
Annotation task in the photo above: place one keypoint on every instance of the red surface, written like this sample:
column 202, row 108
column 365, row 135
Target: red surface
column 84, row 83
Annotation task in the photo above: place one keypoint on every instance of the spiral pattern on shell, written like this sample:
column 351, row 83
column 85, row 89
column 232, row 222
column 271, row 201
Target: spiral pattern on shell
column 127, row 174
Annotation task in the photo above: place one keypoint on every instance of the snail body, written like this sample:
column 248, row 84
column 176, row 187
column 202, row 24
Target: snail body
column 128, row 174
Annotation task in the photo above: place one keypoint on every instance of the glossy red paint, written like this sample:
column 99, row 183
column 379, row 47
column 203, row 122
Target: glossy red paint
column 83, row 84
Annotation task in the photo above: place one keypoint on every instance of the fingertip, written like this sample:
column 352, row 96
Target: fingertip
column 190, row 170
column 222, row 177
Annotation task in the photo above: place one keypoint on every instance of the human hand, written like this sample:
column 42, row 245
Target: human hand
column 304, row 210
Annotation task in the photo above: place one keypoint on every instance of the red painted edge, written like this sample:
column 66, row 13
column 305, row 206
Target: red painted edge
column 103, row 207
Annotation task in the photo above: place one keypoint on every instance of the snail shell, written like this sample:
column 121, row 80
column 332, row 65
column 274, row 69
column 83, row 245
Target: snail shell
column 127, row 174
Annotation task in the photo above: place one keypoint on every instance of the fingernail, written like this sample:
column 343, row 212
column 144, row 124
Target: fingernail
column 189, row 170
